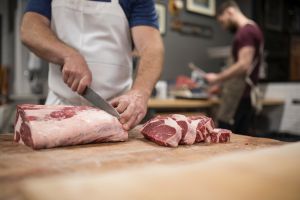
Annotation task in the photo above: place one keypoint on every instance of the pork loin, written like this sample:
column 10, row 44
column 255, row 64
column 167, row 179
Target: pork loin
column 47, row 126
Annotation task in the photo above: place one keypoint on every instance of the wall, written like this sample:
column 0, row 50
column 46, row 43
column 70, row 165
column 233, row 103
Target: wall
column 180, row 50
column 7, row 50
column 14, row 54
column 21, row 84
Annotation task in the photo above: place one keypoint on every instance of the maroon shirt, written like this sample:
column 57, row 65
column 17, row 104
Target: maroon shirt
column 249, row 35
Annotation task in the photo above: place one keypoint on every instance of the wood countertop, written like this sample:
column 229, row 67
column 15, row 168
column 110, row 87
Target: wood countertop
column 186, row 103
column 18, row 162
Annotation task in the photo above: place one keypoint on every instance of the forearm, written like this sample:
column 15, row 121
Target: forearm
column 235, row 70
column 245, row 60
column 150, row 66
column 39, row 38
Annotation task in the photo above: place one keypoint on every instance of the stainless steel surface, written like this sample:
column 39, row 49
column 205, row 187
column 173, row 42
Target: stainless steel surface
column 99, row 102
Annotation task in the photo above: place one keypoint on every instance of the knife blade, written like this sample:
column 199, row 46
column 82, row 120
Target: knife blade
column 90, row 95
column 200, row 72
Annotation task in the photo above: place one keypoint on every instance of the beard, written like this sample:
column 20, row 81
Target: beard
column 232, row 28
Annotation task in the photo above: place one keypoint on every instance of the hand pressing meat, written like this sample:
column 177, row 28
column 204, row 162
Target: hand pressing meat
column 46, row 126
column 132, row 107
column 178, row 129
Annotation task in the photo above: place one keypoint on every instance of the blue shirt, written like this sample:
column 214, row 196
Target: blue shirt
column 138, row 12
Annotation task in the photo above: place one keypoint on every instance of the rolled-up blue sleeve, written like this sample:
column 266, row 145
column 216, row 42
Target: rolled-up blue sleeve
column 143, row 13
column 42, row 7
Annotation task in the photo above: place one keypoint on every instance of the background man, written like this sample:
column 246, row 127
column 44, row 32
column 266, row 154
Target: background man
column 236, row 109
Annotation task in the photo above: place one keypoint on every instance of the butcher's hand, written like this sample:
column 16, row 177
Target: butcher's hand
column 76, row 73
column 132, row 107
column 212, row 78
column 214, row 89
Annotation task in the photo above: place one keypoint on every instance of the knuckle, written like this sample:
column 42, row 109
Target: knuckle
column 73, row 89
column 65, row 76
column 85, row 81
column 140, row 108
column 69, row 81
column 124, row 102
column 126, row 116
column 128, row 123
column 67, row 71
column 85, row 84
column 76, row 74
column 81, row 86
column 82, row 83
column 80, row 90
column 88, row 80
column 63, row 70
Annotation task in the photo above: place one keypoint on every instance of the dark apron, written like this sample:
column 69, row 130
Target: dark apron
column 233, row 90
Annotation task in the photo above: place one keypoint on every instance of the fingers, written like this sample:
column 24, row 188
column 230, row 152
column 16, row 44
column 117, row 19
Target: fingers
column 76, row 74
column 127, row 126
column 134, row 120
column 127, row 114
column 122, row 106
column 65, row 76
column 128, row 117
column 74, row 85
column 132, row 107
column 139, row 118
column 70, row 81
column 115, row 102
column 132, row 116
column 86, row 81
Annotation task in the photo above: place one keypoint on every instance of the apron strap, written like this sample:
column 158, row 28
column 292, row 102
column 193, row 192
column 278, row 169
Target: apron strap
column 253, row 65
column 255, row 94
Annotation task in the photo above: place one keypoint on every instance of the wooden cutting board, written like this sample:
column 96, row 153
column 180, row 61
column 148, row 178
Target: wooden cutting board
column 269, row 174
column 18, row 162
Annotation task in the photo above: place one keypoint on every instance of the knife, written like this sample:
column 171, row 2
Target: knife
column 90, row 95
column 200, row 72
column 193, row 67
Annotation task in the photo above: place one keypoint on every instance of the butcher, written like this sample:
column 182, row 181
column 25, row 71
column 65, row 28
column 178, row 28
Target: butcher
column 240, row 96
column 89, row 43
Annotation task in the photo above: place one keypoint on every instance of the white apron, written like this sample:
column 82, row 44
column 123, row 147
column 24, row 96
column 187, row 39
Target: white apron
column 100, row 32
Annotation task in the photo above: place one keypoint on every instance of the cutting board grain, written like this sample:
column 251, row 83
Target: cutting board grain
column 269, row 174
column 18, row 162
